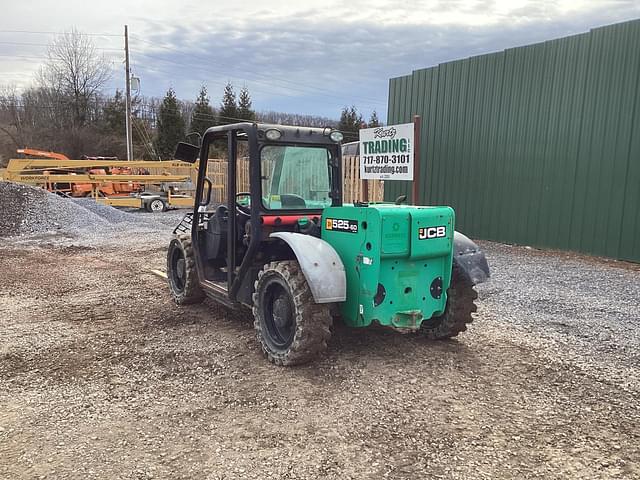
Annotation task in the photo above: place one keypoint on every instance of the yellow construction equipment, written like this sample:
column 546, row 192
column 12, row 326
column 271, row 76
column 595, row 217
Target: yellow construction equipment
column 108, row 181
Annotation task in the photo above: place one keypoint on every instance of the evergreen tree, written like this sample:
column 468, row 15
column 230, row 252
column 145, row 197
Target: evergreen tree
column 114, row 112
column 112, row 129
column 350, row 122
column 373, row 120
column 229, row 108
column 202, row 116
column 244, row 105
column 171, row 126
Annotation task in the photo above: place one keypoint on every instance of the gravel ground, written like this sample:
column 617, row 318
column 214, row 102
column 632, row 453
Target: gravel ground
column 582, row 308
column 103, row 376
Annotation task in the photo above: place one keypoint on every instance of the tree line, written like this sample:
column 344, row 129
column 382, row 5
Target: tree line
column 67, row 111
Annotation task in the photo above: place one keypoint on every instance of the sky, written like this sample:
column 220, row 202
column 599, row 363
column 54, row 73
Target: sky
column 293, row 56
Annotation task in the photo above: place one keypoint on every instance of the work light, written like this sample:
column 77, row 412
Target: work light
column 336, row 136
column 273, row 134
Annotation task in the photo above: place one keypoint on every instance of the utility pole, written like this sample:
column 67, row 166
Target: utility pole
column 128, row 95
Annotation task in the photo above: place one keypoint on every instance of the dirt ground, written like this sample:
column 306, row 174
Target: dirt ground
column 102, row 376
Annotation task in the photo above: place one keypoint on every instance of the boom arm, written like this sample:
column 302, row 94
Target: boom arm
column 42, row 153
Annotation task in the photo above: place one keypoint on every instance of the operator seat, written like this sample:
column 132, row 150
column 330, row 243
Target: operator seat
column 289, row 200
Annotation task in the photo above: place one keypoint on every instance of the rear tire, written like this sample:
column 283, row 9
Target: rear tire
column 457, row 315
column 181, row 272
column 290, row 327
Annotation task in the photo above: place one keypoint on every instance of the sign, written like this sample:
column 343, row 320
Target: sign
column 386, row 153
column 341, row 225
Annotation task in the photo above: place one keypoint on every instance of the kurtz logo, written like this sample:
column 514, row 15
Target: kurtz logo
column 341, row 225
column 427, row 233
column 382, row 132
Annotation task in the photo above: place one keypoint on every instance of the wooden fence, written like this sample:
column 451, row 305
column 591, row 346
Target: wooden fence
column 353, row 186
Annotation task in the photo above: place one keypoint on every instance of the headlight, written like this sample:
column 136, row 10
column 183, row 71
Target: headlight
column 336, row 136
column 273, row 134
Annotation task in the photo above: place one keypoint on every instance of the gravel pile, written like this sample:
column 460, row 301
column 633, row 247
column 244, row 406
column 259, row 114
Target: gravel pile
column 26, row 210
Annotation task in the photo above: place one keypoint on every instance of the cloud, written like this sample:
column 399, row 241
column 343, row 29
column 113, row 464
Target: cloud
column 317, row 59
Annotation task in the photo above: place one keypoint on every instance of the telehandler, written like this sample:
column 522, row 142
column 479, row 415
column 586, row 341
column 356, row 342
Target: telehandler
column 290, row 250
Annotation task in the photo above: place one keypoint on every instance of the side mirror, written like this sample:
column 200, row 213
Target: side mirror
column 187, row 152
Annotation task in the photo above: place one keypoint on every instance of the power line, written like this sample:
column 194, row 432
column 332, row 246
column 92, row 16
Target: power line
column 148, row 144
column 47, row 45
column 60, row 33
column 209, row 61
column 204, row 69
column 147, row 106
column 23, row 57
column 215, row 121
column 33, row 57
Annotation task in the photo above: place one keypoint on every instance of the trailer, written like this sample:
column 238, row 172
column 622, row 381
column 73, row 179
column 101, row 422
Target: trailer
column 109, row 181
column 150, row 201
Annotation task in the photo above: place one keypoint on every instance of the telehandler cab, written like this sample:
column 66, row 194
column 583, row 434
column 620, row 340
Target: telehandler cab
column 293, row 253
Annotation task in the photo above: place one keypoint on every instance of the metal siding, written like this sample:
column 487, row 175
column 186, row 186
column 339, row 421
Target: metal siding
column 471, row 173
column 428, row 126
column 536, row 145
column 629, row 244
column 424, row 107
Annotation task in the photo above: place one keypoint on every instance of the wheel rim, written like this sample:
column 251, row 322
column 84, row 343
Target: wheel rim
column 178, row 269
column 157, row 206
column 279, row 316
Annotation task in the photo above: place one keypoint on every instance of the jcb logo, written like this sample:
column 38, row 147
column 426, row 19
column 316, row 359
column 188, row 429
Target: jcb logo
column 341, row 225
column 427, row 233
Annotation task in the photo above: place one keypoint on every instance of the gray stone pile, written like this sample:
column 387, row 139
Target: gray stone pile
column 27, row 210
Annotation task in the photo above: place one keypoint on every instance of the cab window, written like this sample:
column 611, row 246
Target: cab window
column 295, row 177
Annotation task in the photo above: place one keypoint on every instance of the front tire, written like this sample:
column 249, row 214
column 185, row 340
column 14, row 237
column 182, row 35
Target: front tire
column 290, row 327
column 181, row 272
column 457, row 315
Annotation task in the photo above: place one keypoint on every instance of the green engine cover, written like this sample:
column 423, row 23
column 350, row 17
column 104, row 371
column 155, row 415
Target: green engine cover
column 397, row 260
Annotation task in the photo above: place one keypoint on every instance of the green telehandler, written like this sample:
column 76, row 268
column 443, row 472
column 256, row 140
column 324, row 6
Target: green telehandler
column 291, row 251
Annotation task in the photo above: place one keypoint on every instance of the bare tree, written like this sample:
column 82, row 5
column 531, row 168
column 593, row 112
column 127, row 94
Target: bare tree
column 10, row 120
column 75, row 73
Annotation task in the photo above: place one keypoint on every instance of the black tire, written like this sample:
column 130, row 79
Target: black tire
column 290, row 327
column 457, row 315
column 157, row 205
column 181, row 272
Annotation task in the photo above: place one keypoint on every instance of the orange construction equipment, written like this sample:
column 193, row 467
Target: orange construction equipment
column 32, row 152
column 81, row 189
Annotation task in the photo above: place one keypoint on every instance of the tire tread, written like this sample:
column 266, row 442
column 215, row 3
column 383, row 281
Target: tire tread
column 192, row 292
column 313, row 320
column 461, row 298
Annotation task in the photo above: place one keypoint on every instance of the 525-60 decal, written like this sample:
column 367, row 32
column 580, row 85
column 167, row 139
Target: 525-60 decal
column 341, row 225
column 427, row 233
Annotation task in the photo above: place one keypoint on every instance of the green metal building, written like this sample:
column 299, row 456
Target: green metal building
column 536, row 145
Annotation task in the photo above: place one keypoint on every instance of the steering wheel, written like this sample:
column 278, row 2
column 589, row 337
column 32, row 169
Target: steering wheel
column 291, row 200
column 246, row 209
column 222, row 211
